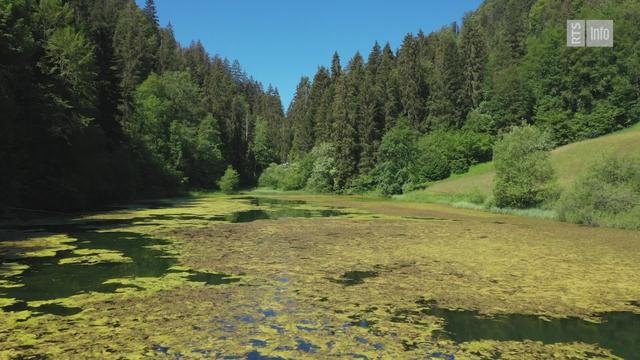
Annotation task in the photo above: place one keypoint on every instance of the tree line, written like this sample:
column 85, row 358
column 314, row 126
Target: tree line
column 100, row 104
column 400, row 119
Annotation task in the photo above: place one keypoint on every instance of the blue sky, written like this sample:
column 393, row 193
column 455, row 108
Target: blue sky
column 279, row 41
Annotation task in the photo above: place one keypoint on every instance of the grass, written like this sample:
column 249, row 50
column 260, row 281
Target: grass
column 568, row 161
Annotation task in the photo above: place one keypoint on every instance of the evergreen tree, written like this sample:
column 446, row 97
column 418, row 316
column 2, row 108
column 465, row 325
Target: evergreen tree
column 411, row 84
column 321, row 105
column 301, row 119
column 169, row 56
column 444, row 105
column 474, row 53
column 344, row 135
column 386, row 80
column 336, row 68
column 150, row 11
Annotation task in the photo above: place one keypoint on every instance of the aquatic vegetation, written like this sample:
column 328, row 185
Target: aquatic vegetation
column 185, row 281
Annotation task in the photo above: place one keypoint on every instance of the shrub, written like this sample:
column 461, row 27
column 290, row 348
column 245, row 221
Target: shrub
column 230, row 181
column 431, row 165
column 272, row 176
column 323, row 171
column 460, row 149
column 362, row 184
column 397, row 152
column 524, row 175
column 607, row 194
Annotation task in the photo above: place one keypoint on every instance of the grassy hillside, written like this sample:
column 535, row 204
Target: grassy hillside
column 569, row 161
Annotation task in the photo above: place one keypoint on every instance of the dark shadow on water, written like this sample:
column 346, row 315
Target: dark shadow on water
column 265, row 201
column 258, row 214
column 255, row 355
column 618, row 331
column 354, row 277
column 211, row 278
column 46, row 279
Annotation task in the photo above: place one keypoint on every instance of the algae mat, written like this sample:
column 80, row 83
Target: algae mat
column 315, row 277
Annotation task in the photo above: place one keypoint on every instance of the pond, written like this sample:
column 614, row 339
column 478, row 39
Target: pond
column 264, row 282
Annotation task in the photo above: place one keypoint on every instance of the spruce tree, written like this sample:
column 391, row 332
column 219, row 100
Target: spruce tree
column 386, row 80
column 473, row 51
column 344, row 136
column 336, row 68
column 301, row 119
column 320, row 109
column 150, row 11
column 412, row 87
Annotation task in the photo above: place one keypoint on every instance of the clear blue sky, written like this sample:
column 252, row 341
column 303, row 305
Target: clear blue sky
column 279, row 41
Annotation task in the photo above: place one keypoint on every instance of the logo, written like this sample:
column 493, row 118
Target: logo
column 590, row 33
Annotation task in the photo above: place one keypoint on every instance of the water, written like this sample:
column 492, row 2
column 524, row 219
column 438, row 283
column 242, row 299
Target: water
column 618, row 331
column 355, row 277
column 47, row 279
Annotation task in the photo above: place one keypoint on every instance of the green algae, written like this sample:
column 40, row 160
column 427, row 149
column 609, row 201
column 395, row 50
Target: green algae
column 94, row 256
column 283, row 302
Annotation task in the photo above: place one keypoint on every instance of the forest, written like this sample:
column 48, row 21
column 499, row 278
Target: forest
column 101, row 104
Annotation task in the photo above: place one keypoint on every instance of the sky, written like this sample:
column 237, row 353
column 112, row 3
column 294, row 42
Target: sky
column 279, row 41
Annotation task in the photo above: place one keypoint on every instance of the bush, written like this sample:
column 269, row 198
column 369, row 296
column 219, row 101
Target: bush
column 460, row 149
column 230, row 181
column 397, row 152
column 324, row 168
column 362, row 184
column 313, row 171
column 524, row 175
column 608, row 194
column 272, row 176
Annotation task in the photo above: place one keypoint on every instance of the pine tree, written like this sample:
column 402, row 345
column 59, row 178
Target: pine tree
column 196, row 61
column 344, row 135
column 169, row 57
column 355, row 82
column 320, row 108
column 474, row 52
column 136, row 44
column 444, row 108
column 336, row 68
column 386, row 82
column 150, row 11
column 372, row 112
column 301, row 119
column 413, row 89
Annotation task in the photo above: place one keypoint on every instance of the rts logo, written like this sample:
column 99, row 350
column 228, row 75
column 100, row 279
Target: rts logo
column 590, row 33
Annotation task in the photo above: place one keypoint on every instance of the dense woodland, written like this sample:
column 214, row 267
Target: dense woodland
column 397, row 120
column 100, row 103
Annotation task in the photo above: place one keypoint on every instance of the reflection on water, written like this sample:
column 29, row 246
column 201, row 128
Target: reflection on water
column 355, row 277
column 618, row 331
column 49, row 278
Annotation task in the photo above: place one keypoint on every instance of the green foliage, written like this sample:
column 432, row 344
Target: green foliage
column 524, row 175
column 324, row 168
column 460, row 149
column 272, row 176
column 395, row 158
column 230, row 181
column 608, row 194
column 263, row 146
column 173, row 125
column 344, row 137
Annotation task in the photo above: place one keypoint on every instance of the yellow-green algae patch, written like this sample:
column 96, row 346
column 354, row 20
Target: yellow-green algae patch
column 290, row 303
column 38, row 246
column 94, row 256
column 8, row 270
